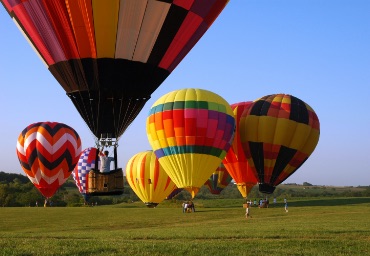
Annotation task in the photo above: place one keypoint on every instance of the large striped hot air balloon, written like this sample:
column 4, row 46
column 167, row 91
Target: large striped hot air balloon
column 147, row 178
column 48, row 152
column 190, row 131
column 278, row 133
column 80, row 174
column 110, row 56
column 218, row 180
column 235, row 161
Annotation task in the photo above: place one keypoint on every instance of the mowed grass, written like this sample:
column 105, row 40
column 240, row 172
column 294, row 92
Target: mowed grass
column 311, row 227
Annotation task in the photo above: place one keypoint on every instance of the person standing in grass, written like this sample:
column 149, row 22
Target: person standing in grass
column 286, row 206
column 192, row 206
column 247, row 211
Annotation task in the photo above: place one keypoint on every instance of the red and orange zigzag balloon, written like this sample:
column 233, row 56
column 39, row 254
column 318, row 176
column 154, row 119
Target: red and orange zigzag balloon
column 48, row 152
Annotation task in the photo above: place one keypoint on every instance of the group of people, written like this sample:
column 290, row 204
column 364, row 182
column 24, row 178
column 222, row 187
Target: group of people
column 46, row 203
column 263, row 203
column 188, row 207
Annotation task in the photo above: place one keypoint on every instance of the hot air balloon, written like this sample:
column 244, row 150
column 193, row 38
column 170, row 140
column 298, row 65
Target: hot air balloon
column 218, row 180
column 278, row 134
column 147, row 178
column 110, row 56
column 48, row 152
column 190, row 131
column 80, row 174
column 174, row 193
column 235, row 161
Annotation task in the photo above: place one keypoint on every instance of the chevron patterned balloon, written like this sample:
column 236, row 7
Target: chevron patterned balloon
column 48, row 152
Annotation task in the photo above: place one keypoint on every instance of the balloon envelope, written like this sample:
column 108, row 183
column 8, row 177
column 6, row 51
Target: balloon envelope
column 147, row 178
column 48, row 152
column 218, row 180
column 190, row 131
column 278, row 133
column 110, row 56
column 235, row 161
column 174, row 193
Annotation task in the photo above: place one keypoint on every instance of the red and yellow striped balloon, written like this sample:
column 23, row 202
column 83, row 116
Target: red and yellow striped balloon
column 147, row 178
column 190, row 131
column 111, row 55
column 48, row 152
column 278, row 134
column 235, row 161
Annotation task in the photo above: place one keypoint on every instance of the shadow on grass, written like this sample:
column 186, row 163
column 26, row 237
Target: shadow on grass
column 208, row 210
column 331, row 202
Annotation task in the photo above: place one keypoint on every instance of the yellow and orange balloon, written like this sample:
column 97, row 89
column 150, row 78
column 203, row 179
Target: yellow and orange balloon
column 190, row 131
column 147, row 178
column 235, row 161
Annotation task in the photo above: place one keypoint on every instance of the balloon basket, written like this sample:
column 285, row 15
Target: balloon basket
column 104, row 184
column 151, row 205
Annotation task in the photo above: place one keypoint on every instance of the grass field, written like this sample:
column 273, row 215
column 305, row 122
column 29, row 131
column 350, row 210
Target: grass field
column 339, row 226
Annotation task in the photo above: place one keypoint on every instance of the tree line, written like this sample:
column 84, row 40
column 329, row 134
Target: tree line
column 16, row 190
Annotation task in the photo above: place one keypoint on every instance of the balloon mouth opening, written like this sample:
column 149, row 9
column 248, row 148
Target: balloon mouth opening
column 245, row 188
column 151, row 205
column 266, row 188
column 192, row 190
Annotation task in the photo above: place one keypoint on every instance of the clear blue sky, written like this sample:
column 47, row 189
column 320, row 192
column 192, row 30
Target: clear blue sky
column 316, row 50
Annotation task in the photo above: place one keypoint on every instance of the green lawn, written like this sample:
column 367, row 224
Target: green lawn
column 311, row 227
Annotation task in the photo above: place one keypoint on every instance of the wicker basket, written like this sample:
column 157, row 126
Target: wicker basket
column 105, row 183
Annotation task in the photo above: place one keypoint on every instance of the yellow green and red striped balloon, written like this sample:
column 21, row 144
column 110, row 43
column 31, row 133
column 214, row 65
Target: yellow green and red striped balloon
column 147, row 178
column 190, row 131
column 48, row 152
column 278, row 134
